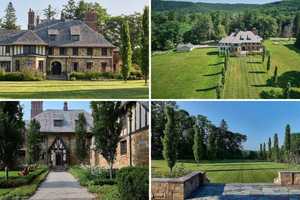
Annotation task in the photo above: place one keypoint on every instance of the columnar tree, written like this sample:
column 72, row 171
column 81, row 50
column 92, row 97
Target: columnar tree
column 220, row 139
column 264, row 151
column 275, row 76
column 297, row 43
column 145, row 44
column 263, row 54
column 11, row 128
column 269, row 62
column 170, row 139
column 107, row 129
column 260, row 151
column 297, row 24
column 10, row 18
column 80, row 134
column 49, row 12
column 276, row 148
column 212, row 149
column 269, row 149
column 126, row 52
column 198, row 146
column 33, row 142
column 287, row 142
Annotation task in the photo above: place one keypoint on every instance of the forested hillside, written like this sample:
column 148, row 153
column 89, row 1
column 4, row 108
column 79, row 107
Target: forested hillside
column 175, row 22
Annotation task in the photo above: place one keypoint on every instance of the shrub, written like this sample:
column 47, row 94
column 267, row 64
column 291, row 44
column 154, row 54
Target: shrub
column 91, row 75
column 32, row 75
column 133, row 183
column 24, row 75
column 105, row 192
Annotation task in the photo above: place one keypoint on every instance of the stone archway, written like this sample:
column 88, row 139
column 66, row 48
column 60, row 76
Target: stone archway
column 56, row 68
column 58, row 153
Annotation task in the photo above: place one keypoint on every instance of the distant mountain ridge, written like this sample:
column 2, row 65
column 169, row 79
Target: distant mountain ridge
column 168, row 5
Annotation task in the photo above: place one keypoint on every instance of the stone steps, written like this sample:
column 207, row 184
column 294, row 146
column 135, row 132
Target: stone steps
column 56, row 77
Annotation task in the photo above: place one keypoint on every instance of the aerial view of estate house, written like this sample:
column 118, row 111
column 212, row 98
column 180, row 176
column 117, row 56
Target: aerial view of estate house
column 57, row 47
column 240, row 43
column 59, row 142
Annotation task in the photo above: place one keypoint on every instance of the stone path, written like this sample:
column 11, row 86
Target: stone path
column 61, row 186
column 246, row 192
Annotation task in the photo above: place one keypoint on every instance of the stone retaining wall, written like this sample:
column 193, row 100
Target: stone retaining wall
column 286, row 178
column 176, row 188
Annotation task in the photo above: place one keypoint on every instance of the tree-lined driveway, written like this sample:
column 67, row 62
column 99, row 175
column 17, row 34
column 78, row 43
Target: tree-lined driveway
column 256, row 191
column 61, row 186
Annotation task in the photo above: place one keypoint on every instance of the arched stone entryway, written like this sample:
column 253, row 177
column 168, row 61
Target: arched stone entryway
column 56, row 68
column 58, row 153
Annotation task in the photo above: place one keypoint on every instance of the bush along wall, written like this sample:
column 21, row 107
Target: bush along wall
column 24, row 75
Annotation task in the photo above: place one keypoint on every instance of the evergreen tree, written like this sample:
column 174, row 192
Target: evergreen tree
column 126, row 52
column 107, row 129
column 263, row 54
column 220, row 139
column 69, row 10
column 260, row 151
column 145, row 44
column 10, row 18
column 287, row 142
column 11, row 129
column 170, row 139
column 276, row 148
column 49, row 12
column 269, row 149
column 275, row 76
column 33, row 142
column 212, row 151
column 80, row 134
column 198, row 146
column 269, row 62
column 297, row 24
column 297, row 43
column 264, row 151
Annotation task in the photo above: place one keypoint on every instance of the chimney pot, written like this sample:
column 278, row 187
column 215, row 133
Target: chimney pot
column 65, row 106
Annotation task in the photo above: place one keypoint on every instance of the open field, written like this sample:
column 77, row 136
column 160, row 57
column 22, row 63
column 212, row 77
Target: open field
column 73, row 90
column 228, row 171
column 246, row 77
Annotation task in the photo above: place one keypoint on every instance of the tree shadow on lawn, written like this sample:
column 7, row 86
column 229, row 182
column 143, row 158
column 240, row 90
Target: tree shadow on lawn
column 216, row 64
column 256, row 72
column 206, row 89
column 251, row 169
column 126, row 93
column 261, row 85
column 292, row 47
column 214, row 74
column 212, row 53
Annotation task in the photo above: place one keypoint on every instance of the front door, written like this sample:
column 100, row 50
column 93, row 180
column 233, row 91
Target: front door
column 56, row 68
column 59, row 159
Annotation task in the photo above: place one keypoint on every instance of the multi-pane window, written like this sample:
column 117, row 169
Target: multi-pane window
column 75, row 37
column 58, row 122
column 89, row 65
column 123, row 147
column 50, row 51
column 75, row 66
column 89, row 51
column 52, row 37
column 29, row 49
column 104, row 51
column 103, row 66
column 17, row 65
column 62, row 51
column 41, row 65
column 75, row 51
column 7, row 49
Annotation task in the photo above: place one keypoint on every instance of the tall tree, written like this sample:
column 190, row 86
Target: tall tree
column 275, row 76
column 276, row 148
column 297, row 24
column 145, row 44
column 198, row 146
column 269, row 62
column 33, row 142
column 269, row 149
column 69, row 10
column 170, row 139
column 287, row 142
column 11, row 129
column 107, row 129
column 220, row 139
column 264, row 151
column 297, row 43
column 212, row 150
column 260, row 151
column 49, row 12
column 10, row 18
column 126, row 51
column 80, row 134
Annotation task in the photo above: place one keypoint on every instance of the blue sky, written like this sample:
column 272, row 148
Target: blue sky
column 233, row 1
column 114, row 7
column 258, row 120
column 85, row 105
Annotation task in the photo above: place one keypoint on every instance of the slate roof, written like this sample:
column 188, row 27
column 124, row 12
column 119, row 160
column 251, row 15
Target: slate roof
column 242, row 37
column 47, row 117
column 62, row 29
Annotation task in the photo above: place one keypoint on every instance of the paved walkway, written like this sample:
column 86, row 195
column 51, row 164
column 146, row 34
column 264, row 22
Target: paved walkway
column 246, row 192
column 61, row 186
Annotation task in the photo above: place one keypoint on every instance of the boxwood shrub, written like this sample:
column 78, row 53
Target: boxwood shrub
column 24, row 75
column 133, row 183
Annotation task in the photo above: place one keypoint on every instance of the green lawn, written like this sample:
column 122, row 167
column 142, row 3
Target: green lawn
column 228, row 171
column 73, row 90
column 195, row 74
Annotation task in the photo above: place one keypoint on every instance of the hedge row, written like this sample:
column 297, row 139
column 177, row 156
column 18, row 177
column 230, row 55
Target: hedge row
column 134, row 75
column 24, row 75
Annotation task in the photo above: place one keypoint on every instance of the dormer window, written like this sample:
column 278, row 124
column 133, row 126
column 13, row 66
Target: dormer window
column 58, row 123
column 75, row 33
column 52, row 37
column 52, row 33
column 75, row 37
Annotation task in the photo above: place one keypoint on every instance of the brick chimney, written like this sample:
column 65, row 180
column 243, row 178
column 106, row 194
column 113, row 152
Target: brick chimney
column 36, row 108
column 31, row 19
column 91, row 19
column 65, row 106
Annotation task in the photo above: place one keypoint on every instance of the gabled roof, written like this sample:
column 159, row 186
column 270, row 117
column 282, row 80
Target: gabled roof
column 23, row 38
column 242, row 37
column 46, row 120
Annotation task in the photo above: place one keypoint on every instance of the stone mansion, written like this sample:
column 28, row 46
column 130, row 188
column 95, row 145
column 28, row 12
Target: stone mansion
column 59, row 143
column 241, row 43
column 58, row 47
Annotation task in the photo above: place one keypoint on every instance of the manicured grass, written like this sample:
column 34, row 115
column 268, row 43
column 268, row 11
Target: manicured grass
column 73, row 89
column 10, row 174
column 228, row 171
column 184, row 75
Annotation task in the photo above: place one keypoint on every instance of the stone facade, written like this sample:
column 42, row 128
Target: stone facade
column 288, row 178
column 176, row 188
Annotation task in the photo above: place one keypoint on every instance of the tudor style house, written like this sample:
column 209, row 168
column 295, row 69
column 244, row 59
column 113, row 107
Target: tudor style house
column 133, row 149
column 58, row 47
column 241, row 43
column 59, row 142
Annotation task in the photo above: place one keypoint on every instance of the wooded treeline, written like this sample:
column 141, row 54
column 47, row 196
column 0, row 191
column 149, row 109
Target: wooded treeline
column 177, row 22
column 211, row 141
